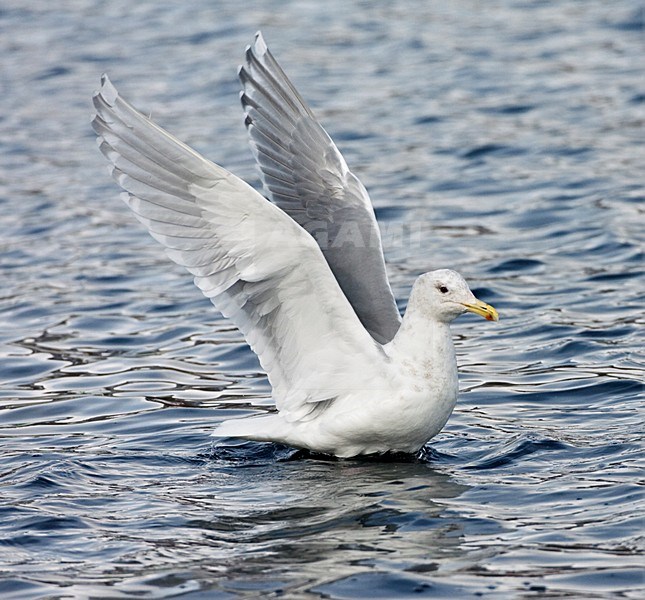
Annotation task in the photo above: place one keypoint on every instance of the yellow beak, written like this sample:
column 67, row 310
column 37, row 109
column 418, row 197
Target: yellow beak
column 481, row 308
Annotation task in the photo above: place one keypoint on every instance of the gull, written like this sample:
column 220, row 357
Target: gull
column 349, row 376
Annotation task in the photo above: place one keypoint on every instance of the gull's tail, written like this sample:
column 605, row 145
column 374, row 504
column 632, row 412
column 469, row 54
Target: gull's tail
column 266, row 428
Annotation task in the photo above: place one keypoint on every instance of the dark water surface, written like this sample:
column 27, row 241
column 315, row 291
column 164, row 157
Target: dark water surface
column 503, row 139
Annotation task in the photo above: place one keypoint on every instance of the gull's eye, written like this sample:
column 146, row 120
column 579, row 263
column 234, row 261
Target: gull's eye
column 443, row 289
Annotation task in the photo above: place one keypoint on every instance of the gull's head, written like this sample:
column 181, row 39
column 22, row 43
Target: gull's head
column 445, row 295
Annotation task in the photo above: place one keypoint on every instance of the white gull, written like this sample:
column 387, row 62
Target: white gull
column 348, row 375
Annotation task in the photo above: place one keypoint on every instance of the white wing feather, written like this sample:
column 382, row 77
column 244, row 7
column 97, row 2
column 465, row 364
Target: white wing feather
column 257, row 265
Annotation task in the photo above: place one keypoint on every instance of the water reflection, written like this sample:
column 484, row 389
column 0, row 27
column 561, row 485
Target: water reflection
column 323, row 519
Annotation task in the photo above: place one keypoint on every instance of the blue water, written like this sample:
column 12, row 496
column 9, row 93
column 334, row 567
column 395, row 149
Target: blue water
column 502, row 139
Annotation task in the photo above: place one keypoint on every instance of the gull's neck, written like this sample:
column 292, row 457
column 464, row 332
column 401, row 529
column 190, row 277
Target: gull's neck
column 424, row 345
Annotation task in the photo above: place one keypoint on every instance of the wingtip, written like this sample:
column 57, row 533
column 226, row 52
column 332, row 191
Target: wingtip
column 255, row 53
column 107, row 91
column 259, row 45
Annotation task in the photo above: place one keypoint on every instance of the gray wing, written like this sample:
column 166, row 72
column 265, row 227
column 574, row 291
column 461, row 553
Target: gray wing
column 258, row 266
column 304, row 174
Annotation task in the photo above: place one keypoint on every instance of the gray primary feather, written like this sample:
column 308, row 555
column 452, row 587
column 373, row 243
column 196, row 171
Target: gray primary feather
column 305, row 175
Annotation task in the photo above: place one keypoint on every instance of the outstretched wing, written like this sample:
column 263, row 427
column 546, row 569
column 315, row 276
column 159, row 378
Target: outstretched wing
column 305, row 175
column 257, row 265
